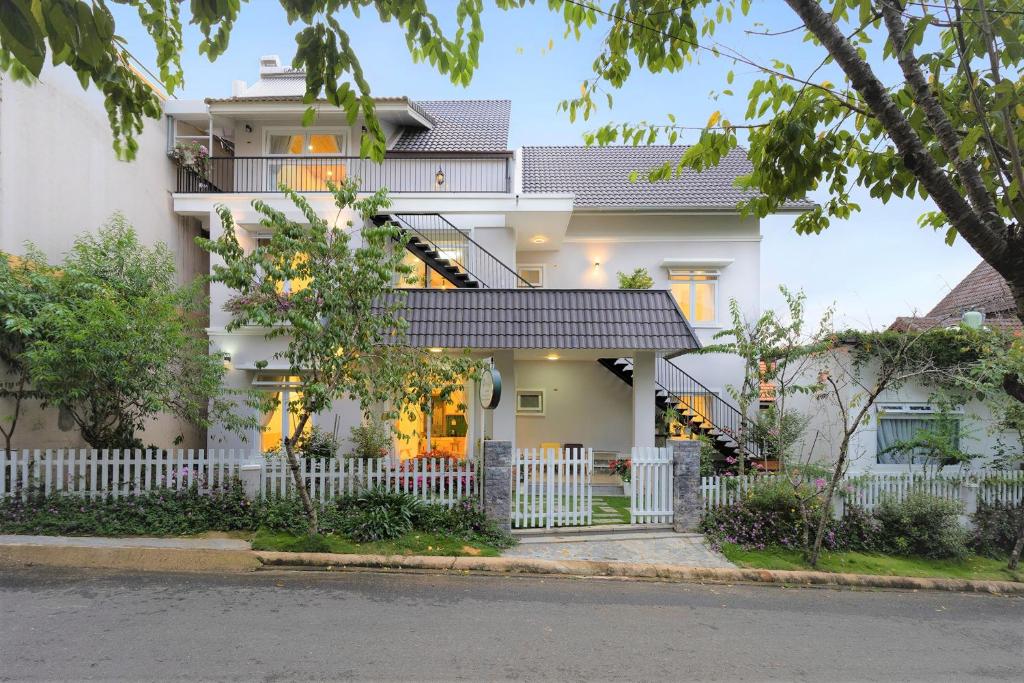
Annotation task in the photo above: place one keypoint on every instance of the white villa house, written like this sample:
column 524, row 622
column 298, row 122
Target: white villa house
column 519, row 251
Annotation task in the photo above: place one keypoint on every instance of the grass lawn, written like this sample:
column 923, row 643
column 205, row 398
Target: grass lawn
column 620, row 504
column 974, row 567
column 412, row 543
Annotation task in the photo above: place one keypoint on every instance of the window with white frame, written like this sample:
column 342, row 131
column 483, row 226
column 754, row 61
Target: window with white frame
column 305, row 142
column 530, row 401
column 915, row 434
column 279, row 423
column 284, row 286
column 696, row 292
column 532, row 274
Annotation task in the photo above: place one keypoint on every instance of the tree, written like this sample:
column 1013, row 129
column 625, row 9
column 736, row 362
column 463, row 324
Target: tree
column 638, row 279
column 343, row 327
column 114, row 342
column 23, row 283
column 950, row 130
column 83, row 37
column 1001, row 355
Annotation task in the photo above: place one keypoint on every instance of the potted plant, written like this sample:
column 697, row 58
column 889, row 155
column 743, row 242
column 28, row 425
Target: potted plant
column 194, row 157
column 623, row 468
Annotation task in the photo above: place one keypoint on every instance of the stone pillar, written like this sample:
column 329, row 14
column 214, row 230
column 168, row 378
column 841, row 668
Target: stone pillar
column 644, row 409
column 503, row 418
column 969, row 500
column 251, row 475
column 497, row 481
column 687, row 505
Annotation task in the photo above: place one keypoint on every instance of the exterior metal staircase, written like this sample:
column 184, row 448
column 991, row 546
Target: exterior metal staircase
column 452, row 253
column 700, row 410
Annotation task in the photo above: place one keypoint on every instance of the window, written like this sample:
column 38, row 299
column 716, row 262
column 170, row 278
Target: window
column 915, row 435
column 443, row 431
column 696, row 292
column 422, row 275
column 279, row 423
column 533, row 275
column 305, row 144
column 286, row 286
column 530, row 402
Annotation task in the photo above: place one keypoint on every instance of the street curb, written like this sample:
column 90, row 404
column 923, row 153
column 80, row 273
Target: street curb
column 669, row 572
column 129, row 559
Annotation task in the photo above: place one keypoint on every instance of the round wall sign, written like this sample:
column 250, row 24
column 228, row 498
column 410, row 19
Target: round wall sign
column 489, row 389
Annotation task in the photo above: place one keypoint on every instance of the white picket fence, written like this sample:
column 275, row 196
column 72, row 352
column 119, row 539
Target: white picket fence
column 551, row 487
column 98, row 473
column 868, row 490
column 442, row 481
column 651, row 476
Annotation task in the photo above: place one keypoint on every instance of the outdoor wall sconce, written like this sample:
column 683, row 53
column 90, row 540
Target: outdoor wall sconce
column 439, row 176
column 248, row 128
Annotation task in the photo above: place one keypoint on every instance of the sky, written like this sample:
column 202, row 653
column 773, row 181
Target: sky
column 872, row 267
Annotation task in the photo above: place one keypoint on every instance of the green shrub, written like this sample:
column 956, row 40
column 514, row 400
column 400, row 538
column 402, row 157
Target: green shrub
column 995, row 529
column 371, row 439
column 922, row 525
column 379, row 515
column 162, row 512
column 315, row 543
column 463, row 520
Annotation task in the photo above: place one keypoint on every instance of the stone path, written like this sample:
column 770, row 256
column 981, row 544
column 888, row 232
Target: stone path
column 603, row 513
column 668, row 548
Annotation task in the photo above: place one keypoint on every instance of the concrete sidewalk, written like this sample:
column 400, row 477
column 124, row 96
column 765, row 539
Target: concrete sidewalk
column 664, row 547
column 133, row 542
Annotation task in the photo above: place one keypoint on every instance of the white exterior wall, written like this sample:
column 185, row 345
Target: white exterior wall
column 59, row 177
column 584, row 403
column 624, row 242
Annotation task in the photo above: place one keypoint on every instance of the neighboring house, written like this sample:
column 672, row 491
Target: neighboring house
column 899, row 415
column 59, row 178
column 519, row 251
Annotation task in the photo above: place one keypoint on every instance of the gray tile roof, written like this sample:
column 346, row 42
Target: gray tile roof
column 982, row 290
column 547, row 319
column 599, row 177
column 460, row 126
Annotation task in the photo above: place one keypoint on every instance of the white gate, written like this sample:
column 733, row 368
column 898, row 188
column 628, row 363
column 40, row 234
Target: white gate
column 651, row 475
column 551, row 487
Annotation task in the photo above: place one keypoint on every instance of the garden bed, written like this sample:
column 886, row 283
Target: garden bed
column 972, row 567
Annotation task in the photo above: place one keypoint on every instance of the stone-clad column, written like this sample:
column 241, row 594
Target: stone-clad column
column 686, row 502
column 497, row 480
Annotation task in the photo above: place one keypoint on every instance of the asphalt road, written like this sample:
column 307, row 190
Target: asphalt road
column 303, row 625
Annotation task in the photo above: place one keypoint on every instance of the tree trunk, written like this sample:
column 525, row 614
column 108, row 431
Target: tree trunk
column 826, row 508
column 1018, row 546
column 298, row 478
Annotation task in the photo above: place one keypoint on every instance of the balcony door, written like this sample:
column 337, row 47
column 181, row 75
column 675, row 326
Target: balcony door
column 305, row 159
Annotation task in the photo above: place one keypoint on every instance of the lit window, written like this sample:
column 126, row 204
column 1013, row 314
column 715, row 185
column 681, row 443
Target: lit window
column 696, row 292
column 285, row 286
column 443, row 432
column 281, row 422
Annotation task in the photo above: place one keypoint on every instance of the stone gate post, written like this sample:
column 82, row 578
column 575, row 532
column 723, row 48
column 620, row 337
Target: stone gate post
column 686, row 501
column 497, row 482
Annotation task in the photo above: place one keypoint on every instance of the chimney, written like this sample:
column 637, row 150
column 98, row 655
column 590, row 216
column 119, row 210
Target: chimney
column 238, row 88
column 270, row 64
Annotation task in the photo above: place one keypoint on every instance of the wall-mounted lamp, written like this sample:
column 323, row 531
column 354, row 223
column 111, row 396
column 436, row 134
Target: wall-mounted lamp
column 225, row 358
column 597, row 264
column 248, row 128
column 439, row 176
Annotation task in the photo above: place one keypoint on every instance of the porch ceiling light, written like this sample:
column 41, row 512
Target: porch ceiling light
column 538, row 239
column 552, row 356
column 436, row 349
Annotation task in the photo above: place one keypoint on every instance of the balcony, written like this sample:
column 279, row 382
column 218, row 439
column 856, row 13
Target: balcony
column 399, row 173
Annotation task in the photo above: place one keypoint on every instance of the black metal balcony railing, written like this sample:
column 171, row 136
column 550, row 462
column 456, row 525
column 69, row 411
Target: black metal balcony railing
column 480, row 173
column 454, row 254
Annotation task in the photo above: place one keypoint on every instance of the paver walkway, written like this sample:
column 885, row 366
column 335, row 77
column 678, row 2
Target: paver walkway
column 668, row 548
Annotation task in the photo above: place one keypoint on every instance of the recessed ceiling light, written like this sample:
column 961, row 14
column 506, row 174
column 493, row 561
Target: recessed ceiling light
column 538, row 239
column 436, row 349
column 552, row 356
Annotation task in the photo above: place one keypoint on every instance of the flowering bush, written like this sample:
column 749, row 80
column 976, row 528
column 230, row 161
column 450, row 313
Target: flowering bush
column 193, row 156
column 623, row 468
column 769, row 515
